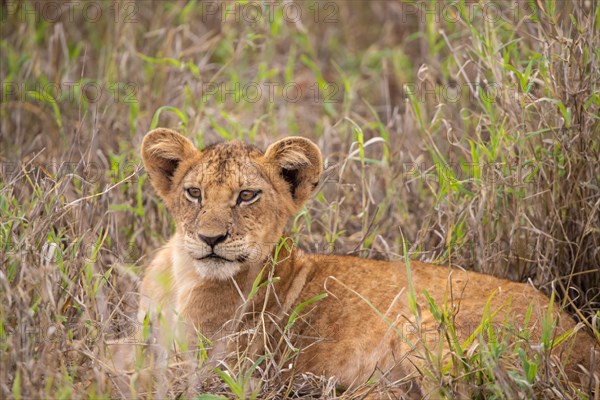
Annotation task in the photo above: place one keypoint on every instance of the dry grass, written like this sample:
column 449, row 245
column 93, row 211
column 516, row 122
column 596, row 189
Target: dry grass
column 467, row 135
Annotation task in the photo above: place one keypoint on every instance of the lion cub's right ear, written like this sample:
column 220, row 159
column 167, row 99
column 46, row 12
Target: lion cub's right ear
column 162, row 152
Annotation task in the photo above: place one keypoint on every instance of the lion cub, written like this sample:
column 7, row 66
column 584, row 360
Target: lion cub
column 226, row 269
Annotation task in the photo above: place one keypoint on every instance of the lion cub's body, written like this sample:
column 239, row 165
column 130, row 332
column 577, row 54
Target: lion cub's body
column 363, row 327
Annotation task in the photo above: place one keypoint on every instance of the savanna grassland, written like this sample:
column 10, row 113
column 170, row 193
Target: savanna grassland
column 455, row 132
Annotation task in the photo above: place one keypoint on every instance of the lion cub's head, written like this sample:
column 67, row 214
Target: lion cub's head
column 230, row 201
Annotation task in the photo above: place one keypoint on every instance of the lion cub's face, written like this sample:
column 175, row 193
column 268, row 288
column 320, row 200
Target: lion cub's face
column 230, row 201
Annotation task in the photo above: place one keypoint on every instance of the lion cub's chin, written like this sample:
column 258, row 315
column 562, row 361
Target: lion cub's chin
column 207, row 268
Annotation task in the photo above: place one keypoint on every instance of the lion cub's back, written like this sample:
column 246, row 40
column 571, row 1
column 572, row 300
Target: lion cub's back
column 366, row 322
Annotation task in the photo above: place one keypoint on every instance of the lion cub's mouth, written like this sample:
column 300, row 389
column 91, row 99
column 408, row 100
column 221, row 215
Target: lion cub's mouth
column 212, row 256
column 215, row 257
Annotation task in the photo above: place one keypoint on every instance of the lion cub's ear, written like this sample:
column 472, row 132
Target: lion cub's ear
column 162, row 152
column 298, row 161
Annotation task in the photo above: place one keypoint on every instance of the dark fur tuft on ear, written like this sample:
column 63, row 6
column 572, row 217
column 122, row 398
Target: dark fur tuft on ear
column 298, row 161
column 162, row 152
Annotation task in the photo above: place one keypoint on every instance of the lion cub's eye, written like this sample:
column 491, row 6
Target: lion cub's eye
column 193, row 194
column 247, row 196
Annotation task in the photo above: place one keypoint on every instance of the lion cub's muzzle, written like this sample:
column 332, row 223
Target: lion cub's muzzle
column 215, row 248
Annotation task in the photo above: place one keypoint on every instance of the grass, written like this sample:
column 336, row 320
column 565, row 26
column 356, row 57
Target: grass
column 468, row 135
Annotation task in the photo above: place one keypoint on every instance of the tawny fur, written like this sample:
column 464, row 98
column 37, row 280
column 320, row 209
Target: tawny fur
column 364, row 326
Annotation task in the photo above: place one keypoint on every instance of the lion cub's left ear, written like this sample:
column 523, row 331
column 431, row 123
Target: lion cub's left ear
column 298, row 161
column 162, row 152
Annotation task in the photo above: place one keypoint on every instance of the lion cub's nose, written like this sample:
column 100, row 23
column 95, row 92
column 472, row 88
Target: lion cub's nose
column 212, row 241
